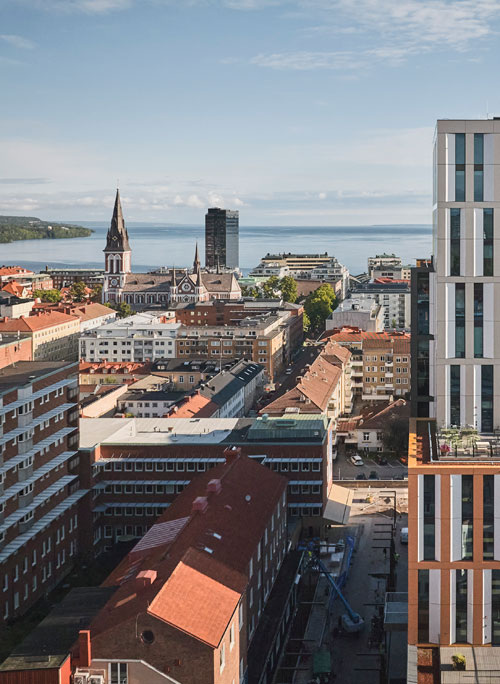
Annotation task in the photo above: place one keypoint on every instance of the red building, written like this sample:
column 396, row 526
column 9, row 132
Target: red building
column 14, row 347
column 186, row 603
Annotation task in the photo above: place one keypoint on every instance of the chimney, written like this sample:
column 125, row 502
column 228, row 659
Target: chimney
column 200, row 504
column 85, row 648
column 145, row 578
column 214, row 487
column 231, row 454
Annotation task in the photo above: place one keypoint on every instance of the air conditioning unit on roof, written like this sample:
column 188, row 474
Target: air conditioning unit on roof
column 81, row 678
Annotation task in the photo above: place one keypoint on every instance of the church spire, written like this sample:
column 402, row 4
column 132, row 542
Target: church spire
column 196, row 262
column 117, row 238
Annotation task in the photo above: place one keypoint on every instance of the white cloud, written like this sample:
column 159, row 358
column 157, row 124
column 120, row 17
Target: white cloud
column 17, row 41
column 86, row 6
column 322, row 195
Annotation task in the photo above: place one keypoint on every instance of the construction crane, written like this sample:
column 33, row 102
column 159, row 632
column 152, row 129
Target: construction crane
column 352, row 622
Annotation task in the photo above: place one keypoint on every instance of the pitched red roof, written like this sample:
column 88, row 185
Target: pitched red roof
column 39, row 321
column 199, row 573
column 195, row 405
column 396, row 409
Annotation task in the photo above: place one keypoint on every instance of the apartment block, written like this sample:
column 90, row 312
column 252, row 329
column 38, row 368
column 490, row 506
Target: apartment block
column 14, row 347
column 40, row 484
column 380, row 362
column 54, row 335
column 393, row 295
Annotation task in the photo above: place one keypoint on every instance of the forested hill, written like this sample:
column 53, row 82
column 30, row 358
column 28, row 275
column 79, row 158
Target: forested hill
column 31, row 228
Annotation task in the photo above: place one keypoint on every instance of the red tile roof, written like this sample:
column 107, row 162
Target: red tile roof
column 38, row 321
column 207, row 559
column 15, row 270
column 195, row 405
column 396, row 409
column 194, row 602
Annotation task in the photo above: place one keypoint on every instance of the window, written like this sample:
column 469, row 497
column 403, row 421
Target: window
column 118, row 673
column 495, row 607
column 461, row 607
column 488, row 517
column 423, row 606
column 467, row 517
column 486, row 398
column 488, row 242
column 478, row 320
column 478, row 167
column 460, row 320
column 455, row 418
column 429, row 517
column 460, row 167
column 240, row 615
column 366, row 436
column 231, row 637
column 222, row 656
column 455, row 242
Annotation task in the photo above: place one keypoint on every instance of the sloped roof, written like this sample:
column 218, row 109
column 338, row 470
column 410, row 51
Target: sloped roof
column 402, row 345
column 39, row 321
column 396, row 409
column 195, row 405
column 208, row 558
column 196, row 603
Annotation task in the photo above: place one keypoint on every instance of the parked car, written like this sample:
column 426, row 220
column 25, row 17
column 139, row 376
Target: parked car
column 399, row 477
column 361, row 476
column 356, row 460
column 382, row 460
column 373, row 475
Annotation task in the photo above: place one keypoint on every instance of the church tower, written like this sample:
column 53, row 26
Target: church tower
column 117, row 255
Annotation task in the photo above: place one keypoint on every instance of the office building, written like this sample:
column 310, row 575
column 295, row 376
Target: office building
column 454, row 456
column 221, row 239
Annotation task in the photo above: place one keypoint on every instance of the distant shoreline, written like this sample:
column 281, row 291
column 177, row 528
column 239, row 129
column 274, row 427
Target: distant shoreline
column 20, row 228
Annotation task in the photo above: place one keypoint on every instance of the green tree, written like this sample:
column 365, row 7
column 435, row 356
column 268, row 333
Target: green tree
column 122, row 309
column 306, row 323
column 288, row 288
column 247, row 291
column 319, row 305
column 271, row 287
column 78, row 291
column 48, row 296
column 395, row 436
column 96, row 294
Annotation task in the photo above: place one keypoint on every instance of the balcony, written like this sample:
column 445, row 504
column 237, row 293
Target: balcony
column 25, row 473
column 25, row 526
column 25, row 499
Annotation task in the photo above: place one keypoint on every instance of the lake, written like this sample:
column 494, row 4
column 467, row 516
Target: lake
column 157, row 245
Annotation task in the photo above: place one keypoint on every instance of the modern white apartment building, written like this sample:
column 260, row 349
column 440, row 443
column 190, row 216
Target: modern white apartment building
column 467, row 273
column 145, row 336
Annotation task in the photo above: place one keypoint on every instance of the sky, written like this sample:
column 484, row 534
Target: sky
column 294, row 112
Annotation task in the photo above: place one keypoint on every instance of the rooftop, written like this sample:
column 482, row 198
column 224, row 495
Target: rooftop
column 39, row 321
column 26, row 372
column 48, row 645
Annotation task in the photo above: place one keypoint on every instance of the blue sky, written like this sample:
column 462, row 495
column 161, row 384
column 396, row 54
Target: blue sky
column 295, row 112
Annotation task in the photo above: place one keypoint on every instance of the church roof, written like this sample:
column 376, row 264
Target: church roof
column 117, row 238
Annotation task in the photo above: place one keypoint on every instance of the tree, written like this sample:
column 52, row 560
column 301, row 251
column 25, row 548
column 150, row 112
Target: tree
column 78, row 291
column 395, row 435
column 271, row 287
column 247, row 291
column 48, row 296
column 306, row 323
column 288, row 288
column 122, row 309
column 96, row 294
column 319, row 305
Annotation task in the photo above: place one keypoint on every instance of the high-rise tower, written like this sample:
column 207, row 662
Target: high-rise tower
column 221, row 239
column 454, row 450
column 117, row 255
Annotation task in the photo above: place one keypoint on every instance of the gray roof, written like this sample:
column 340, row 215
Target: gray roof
column 27, row 372
column 48, row 645
column 222, row 387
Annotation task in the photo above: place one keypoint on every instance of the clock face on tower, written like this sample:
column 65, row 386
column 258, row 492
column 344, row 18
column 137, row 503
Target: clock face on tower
column 113, row 282
column 186, row 287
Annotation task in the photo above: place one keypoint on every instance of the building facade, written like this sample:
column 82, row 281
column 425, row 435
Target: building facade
column 221, row 239
column 54, row 335
column 41, row 490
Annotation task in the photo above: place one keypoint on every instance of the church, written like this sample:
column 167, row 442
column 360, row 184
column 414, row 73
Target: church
column 153, row 290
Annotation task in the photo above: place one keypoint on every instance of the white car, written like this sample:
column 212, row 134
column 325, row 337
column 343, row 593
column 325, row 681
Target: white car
column 289, row 371
column 356, row 460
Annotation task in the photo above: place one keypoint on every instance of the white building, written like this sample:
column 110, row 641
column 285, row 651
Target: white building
column 362, row 313
column 145, row 336
column 466, row 283
column 394, row 297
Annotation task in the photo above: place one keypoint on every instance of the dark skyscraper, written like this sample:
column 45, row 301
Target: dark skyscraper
column 221, row 238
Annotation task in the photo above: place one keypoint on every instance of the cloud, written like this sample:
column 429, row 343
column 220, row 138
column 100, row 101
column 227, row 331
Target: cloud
column 84, row 6
column 23, row 181
column 17, row 41
column 307, row 61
